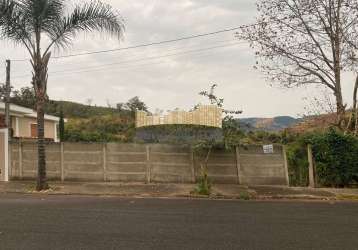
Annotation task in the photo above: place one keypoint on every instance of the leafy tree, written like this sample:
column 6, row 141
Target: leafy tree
column 335, row 156
column 132, row 105
column 232, row 136
column 307, row 42
column 31, row 23
column 2, row 92
column 61, row 127
column 25, row 97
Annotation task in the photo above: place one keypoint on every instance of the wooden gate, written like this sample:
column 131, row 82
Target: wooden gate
column 4, row 155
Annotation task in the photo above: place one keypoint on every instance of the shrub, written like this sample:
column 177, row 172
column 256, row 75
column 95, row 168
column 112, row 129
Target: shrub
column 297, row 163
column 110, row 128
column 204, row 185
column 177, row 134
column 336, row 158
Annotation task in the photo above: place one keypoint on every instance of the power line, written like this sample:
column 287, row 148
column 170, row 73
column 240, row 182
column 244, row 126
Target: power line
column 115, row 70
column 168, row 49
column 148, row 44
column 121, row 68
column 104, row 66
column 150, row 58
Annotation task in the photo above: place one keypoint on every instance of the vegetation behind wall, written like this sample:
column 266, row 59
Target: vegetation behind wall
column 336, row 158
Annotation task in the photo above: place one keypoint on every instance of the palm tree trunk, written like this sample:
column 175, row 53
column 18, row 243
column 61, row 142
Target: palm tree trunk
column 41, row 175
column 40, row 86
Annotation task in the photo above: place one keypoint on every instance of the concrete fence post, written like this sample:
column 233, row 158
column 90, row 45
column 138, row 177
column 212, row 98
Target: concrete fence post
column 20, row 161
column 238, row 164
column 148, row 165
column 104, row 157
column 285, row 162
column 192, row 165
column 62, row 159
column 311, row 170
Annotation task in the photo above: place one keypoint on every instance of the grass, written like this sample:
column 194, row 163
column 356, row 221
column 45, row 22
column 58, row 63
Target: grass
column 244, row 195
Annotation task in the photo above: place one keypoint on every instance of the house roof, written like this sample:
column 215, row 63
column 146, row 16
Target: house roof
column 17, row 110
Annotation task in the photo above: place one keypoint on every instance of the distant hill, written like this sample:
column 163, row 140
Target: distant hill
column 26, row 97
column 103, row 120
column 277, row 123
column 314, row 123
column 77, row 110
column 81, row 111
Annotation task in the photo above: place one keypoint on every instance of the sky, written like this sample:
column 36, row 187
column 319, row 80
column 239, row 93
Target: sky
column 167, row 76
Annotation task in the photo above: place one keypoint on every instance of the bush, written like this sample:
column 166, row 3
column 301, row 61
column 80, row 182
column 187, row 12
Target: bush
column 336, row 158
column 109, row 128
column 297, row 163
column 203, row 186
column 177, row 134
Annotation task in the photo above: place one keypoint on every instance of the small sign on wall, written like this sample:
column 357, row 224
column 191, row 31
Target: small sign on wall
column 268, row 149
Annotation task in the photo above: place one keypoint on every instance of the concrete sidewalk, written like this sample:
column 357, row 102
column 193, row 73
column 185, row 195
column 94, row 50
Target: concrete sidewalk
column 219, row 191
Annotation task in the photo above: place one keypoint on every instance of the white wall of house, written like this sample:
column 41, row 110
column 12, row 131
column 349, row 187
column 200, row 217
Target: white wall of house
column 22, row 119
column 22, row 127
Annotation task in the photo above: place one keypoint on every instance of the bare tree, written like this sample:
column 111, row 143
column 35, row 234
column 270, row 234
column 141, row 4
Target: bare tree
column 319, row 104
column 301, row 42
column 214, row 100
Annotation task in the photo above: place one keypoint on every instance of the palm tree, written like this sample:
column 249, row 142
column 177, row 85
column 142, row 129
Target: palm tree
column 28, row 22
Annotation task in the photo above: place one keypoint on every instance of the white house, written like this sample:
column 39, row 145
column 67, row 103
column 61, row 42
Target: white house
column 24, row 123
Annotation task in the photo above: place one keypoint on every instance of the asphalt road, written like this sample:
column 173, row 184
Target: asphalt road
column 70, row 222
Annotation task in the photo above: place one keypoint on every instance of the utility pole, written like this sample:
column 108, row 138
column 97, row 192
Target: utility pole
column 7, row 97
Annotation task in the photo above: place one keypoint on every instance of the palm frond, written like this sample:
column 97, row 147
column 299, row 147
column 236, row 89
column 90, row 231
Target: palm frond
column 42, row 15
column 13, row 25
column 94, row 16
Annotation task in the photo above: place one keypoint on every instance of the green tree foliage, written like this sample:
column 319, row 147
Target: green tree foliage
column 336, row 158
column 177, row 133
column 232, row 133
column 2, row 92
column 132, row 105
column 101, row 124
column 203, row 147
column 25, row 97
column 108, row 128
column 297, row 163
column 87, row 123
column 61, row 127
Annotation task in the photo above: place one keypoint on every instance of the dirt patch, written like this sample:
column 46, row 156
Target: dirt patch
column 285, row 191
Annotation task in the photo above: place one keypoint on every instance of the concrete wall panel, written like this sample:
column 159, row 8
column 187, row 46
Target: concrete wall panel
column 126, row 168
column 161, row 163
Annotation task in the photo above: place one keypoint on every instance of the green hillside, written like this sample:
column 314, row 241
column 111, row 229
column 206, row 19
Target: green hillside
column 87, row 122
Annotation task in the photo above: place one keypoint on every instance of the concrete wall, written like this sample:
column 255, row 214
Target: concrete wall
column 149, row 163
column 2, row 155
column 257, row 168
